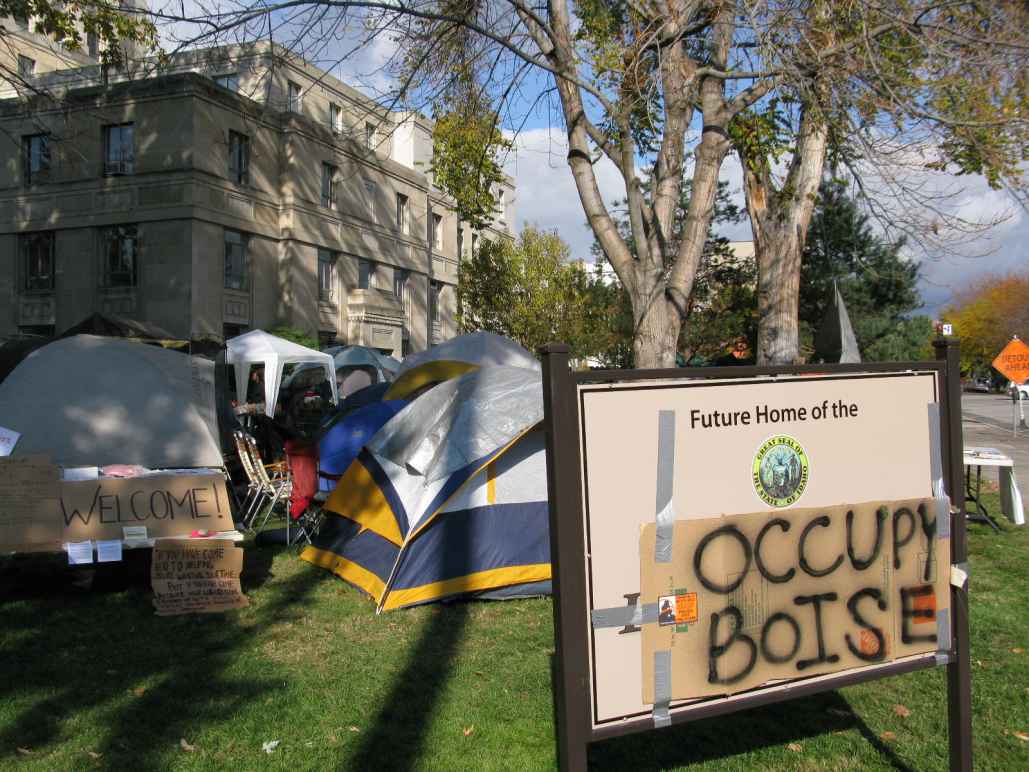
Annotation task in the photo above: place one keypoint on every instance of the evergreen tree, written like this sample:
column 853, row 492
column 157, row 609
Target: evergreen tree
column 877, row 282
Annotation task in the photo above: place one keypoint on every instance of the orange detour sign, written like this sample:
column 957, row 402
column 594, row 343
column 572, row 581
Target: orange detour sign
column 1013, row 361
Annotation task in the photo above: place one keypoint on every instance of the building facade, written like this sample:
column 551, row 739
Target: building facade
column 231, row 189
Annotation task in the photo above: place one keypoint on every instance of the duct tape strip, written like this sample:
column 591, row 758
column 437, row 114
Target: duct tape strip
column 943, row 630
column 662, row 687
column 620, row 616
column 665, row 516
column 943, row 518
column 935, row 451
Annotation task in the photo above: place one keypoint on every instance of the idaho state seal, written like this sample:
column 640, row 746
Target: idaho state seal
column 780, row 471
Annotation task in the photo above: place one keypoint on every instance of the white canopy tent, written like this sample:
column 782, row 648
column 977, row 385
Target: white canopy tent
column 259, row 347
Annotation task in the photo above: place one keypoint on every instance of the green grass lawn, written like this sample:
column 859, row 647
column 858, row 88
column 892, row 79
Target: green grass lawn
column 90, row 678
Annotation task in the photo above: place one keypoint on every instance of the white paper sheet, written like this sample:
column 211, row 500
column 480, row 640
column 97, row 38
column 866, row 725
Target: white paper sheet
column 79, row 552
column 134, row 532
column 108, row 551
column 8, row 439
column 78, row 473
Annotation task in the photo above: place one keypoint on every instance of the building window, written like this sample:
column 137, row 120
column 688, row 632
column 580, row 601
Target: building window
column 119, row 151
column 326, row 273
column 26, row 66
column 401, row 212
column 369, row 135
column 365, row 274
column 37, row 254
column 475, row 243
column 335, row 118
column 229, row 80
column 460, row 239
column 235, row 260
column 293, row 97
column 119, row 253
column 500, row 204
column 372, row 192
column 239, row 158
column 230, row 331
column 437, row 232
column 330, row 176
column 435, row 295
column 21, row 22
column 36, row 149
column 400, row 280
column 92, row 45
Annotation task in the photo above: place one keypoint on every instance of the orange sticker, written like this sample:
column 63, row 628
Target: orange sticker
column 686, row 608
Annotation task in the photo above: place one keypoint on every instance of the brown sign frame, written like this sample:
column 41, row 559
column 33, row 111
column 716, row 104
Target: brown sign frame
column 572, row 701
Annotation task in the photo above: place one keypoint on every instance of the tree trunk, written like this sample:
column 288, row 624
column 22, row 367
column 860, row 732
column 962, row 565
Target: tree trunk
column 657, row 334
column 779, row 220
column 778, row 296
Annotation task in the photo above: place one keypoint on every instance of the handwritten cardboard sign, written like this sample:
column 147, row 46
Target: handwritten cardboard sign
column 749, row 599
column 28, row 490
column 168, row 505
column 196, row 576
column 40, row 512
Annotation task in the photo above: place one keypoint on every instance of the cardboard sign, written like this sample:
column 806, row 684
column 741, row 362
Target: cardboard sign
column 196, row 576
column 168, row 505
column 749, row 599
column 1013, row 361
column 40, row 512
column 28, row 490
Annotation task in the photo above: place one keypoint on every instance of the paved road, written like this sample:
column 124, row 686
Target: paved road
column 986, row 422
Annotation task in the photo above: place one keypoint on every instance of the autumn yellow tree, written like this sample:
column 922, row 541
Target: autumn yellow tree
column 987, row 315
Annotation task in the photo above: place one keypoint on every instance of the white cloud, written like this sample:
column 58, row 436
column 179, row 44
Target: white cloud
column 545, row 191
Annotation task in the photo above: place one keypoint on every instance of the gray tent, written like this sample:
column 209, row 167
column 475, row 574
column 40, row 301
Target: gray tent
column 835, row 341
column 93, row 401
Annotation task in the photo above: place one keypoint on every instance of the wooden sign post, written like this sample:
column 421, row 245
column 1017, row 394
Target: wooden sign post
column 724, row 538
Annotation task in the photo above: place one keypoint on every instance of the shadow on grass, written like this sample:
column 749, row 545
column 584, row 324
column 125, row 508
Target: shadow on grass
column 398, row 731
column 154, row 679
column 723, row 737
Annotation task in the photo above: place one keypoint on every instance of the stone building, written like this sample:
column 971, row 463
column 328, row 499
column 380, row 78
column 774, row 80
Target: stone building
column 233, row 188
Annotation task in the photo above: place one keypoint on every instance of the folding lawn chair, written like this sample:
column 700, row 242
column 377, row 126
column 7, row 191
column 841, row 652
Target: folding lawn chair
column 271, row 486
column 255, row 490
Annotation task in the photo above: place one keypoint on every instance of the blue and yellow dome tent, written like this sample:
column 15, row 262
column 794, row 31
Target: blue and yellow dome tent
column 449, row 498
column 456, row 357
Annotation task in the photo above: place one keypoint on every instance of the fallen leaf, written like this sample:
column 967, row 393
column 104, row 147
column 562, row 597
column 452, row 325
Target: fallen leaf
column 901, row 711
column 353, row 729
column 139, row 691
column 468, row 730
column 888, row 736
column 795, row 747
column 186, row 746
column 1023, row 736
column 270, row 746
column 25, row 751
column 94, row 754
column 1017, row 650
